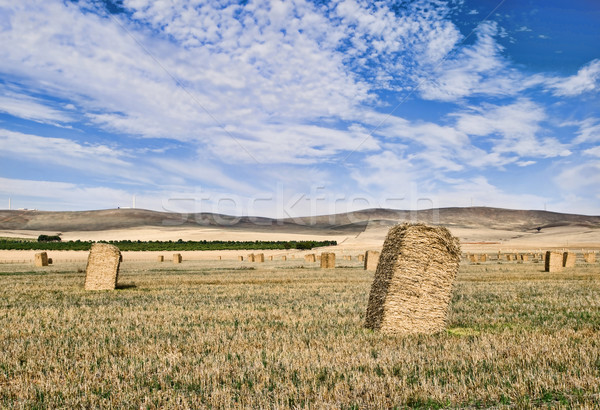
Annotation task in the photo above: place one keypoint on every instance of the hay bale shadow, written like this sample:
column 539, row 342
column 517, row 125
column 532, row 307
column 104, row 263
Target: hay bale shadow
column 126, row 286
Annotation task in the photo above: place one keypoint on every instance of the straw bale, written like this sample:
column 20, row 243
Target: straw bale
column 160, row 258
column 473, row 258
column 250, row 257
column 589, row 257
column 327, row 260
column 259, row 257
column 483, row 258
column 271, row 257
column 240, row 258
column 102, row 271
column 41, row 259
column 310, row 258
column 371, row 260
column 284, row 258
column 569, row 259
column 413, row 283
column 177, row 258
column 361, row 257
column 524, row 257
column 553, row 262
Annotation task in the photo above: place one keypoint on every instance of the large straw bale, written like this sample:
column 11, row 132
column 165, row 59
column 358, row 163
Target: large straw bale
column 259, row 257
column 553, row 261
column 569, row 259
column 371, row 260
column 41, row 259
column 177, row 258
column 102, row 271
column 310, row 258
column 413, row 283
column 589, row 257
column 327, row 260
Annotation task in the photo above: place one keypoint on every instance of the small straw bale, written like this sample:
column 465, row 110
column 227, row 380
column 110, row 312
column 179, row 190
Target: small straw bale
column 250, row 257
column 220, row 258
column 361, row 257
column 509, row 257
column 240, row 258
column 589, row 257
column 310, row 258
column 284, row 258
column 524, row 257
column 413, row 283
column 483, row 257
column 569, row 259
column 473, row 258
column 160, row 258
column 177, row 258
column 327, row 260
column 259, row 257
column 271, row 257
column 41, row 259
column 371, row 260
column 553, row 262
column 102, row 271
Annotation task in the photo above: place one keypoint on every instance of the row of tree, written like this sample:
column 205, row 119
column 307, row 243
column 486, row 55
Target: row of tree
column 180, row 245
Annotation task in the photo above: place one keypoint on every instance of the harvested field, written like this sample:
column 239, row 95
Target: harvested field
column 227, row 334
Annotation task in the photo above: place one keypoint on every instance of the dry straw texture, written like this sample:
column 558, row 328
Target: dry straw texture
column 361, row 257
column 589, row 257
column 259, row 257
column 553, row 261
column 327, row 260
column 177, row 258
column 483, row 258
column 310, row 258
column 240, row 258
column 524, row 258
column 371, row 260
column 413, row 283
column 569, row 259
column 251, row 257
column 102, row 271
column 41, row 259
column 284, row 258
column 160, row 258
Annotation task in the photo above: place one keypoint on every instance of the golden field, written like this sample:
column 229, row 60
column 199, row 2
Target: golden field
column 288, row 334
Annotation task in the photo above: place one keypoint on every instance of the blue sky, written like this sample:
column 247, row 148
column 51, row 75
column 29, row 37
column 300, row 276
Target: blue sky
column 301, row 107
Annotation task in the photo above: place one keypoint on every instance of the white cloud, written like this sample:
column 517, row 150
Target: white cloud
column 30, row 108
column 589, row 130
column 595, row 151
column 477, row 69
column 586, row 80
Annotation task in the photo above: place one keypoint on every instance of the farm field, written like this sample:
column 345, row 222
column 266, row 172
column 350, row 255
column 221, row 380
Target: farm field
column 288, row 334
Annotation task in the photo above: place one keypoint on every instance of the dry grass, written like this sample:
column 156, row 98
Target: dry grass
column 226, row 334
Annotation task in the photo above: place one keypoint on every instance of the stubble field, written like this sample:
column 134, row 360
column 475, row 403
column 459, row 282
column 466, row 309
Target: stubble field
column 288, row 334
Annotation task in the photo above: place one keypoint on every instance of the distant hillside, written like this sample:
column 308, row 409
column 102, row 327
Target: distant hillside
column 352, row 222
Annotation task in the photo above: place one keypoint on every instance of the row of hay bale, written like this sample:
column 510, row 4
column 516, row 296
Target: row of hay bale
column 556, row 261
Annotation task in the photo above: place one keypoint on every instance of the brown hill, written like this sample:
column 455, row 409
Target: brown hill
column 352, row 222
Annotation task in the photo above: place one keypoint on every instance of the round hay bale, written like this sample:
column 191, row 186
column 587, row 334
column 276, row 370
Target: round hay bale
column 569, row 259
column 553, row 261
column 102, row 271
column 371, row 260
column 41, row 259
column 413, row 283
column 177, row 258
column 327, row 260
